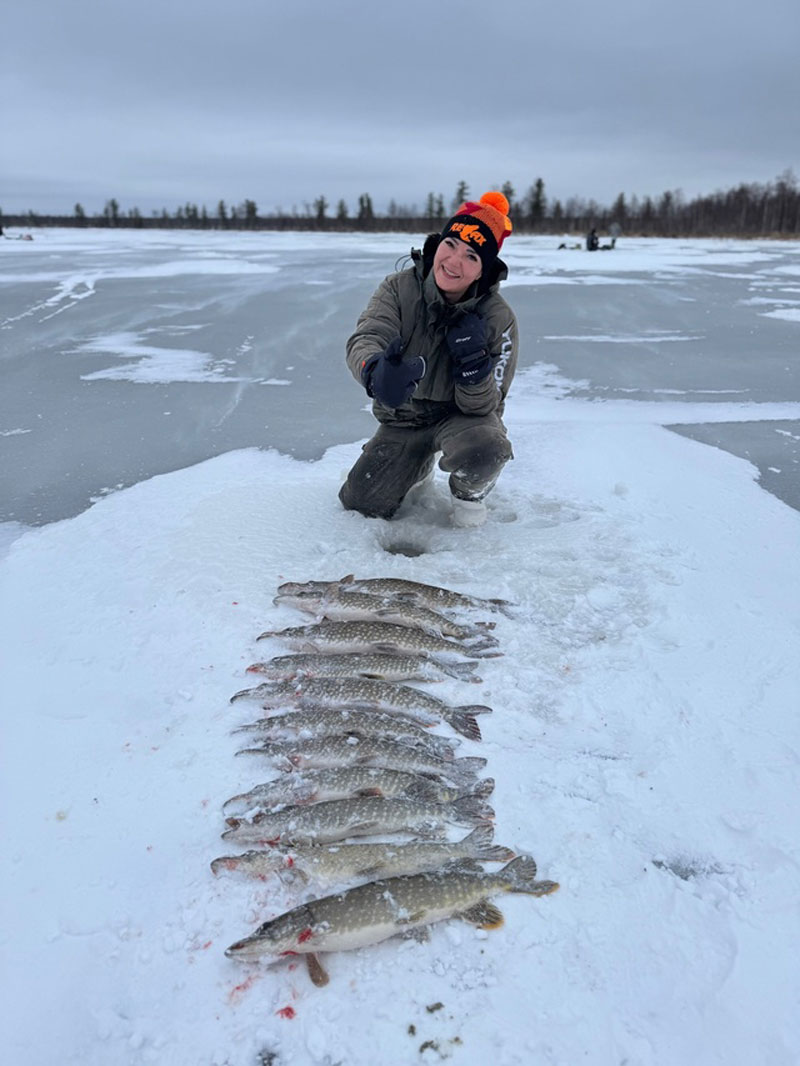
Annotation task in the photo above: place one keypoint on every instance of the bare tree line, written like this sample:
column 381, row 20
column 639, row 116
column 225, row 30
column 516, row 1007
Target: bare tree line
column 746, row 210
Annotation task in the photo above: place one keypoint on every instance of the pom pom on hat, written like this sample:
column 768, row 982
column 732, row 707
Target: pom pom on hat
column 484, row 224
column 496, row 200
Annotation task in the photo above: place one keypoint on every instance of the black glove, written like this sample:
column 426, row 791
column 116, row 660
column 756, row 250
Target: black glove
column 388, row 378
column 468, row 346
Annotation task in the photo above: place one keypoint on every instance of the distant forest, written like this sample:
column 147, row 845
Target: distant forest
column 747, row 210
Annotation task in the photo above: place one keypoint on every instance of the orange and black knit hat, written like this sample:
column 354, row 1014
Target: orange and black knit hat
column 484, row 225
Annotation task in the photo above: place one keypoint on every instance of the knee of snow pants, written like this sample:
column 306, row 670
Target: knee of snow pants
column 474, row 454
column 390, row 463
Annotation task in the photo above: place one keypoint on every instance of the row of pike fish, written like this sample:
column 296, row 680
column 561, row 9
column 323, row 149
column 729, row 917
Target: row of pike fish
column 359, row 759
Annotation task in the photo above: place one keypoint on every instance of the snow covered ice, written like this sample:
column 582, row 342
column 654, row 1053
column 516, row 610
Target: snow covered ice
column 644, row 739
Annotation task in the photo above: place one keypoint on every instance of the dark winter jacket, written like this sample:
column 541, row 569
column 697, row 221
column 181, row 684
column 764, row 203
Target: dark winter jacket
column 409, row 304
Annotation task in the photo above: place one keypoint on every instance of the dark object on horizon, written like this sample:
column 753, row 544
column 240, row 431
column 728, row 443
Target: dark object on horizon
column 592, row 241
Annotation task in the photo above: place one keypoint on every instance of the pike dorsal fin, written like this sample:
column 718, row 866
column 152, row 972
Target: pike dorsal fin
column 465, row 866
column 484, row 914
column 316, row 971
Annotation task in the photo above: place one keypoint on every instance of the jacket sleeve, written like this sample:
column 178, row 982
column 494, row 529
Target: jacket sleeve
column 377, row 326
column 488, row 395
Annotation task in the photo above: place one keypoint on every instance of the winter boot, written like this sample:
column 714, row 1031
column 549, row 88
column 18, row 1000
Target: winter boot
column 468, row 514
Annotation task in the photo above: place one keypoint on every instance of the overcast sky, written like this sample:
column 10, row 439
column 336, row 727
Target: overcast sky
column 162, row 102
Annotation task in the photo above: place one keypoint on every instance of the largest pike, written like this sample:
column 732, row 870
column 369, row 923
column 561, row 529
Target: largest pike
column 399, row 588
column 377, row 636
column 381, row 909
column 360, row 693
column 360, row 606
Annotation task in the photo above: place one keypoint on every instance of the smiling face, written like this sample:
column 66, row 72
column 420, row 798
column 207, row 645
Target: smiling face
column 455, row 267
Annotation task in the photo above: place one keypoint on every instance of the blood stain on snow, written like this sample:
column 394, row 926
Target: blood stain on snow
column 238, row 991
column 286, row 1012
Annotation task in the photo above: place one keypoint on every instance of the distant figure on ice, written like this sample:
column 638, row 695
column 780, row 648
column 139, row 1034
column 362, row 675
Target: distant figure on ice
column 592, row 241
column 436, row 349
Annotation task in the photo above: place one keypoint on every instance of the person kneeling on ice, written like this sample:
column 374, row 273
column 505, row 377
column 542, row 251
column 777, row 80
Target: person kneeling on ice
column 436, row 349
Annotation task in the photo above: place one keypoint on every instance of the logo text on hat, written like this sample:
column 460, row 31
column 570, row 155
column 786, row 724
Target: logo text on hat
column 468, row 232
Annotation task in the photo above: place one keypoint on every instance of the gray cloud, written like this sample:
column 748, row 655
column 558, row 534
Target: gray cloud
column 160, row 103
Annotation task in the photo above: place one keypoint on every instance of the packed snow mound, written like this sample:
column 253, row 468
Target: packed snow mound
column 644, row 743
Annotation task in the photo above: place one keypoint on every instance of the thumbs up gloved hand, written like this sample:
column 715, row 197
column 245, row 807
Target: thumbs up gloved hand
column 468, row 346
column 390, row 379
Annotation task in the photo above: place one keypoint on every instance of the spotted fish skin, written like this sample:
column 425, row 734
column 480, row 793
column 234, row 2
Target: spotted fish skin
column 376, row 636
column 323, row 823
column 328, row 752
column 360, row 606
column 371, row 913
column 344, row 863
column 360, row 693
column 341, row 721
column 374, row 665
column 432, row 596
column 344, row 782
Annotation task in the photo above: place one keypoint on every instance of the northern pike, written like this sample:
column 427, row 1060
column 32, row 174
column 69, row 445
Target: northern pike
column 371, row 913
column 399, row 588
column 360, row 606
column 323, row 823
column 340, row 721
column 360, row 693
column 341, row 863
column 372, row 665
column 376, row 636
column 344, row 782
column 328, row 752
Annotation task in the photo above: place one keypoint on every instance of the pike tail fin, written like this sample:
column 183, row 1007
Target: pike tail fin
column 520, row 876
column 463, row 723
column 463, row 671
column 480, row 845
column 469, row 810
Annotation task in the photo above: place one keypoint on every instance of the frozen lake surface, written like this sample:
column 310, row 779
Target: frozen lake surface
column 127, row 354
column 644, row 742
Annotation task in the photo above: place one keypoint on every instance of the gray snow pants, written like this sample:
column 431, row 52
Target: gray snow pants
column 474, row 450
